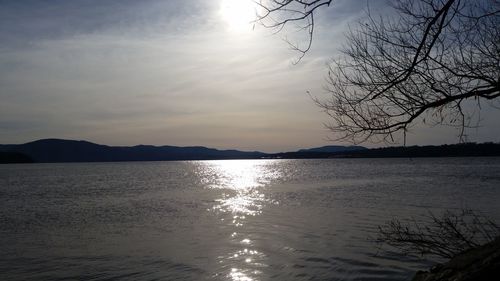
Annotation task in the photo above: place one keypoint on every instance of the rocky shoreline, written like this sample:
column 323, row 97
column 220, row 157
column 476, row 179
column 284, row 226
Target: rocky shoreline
column 477, row 264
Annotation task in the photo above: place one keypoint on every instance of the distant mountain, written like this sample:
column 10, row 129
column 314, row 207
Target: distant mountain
column 446, row 150
column 333, row 149
column 14, row 157
column 58, row 150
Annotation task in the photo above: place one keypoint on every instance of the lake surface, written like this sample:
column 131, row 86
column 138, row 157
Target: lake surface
column 227, row 220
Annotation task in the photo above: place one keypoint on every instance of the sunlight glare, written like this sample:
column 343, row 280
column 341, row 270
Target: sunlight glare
column 244, row 179
column 238, row 14
column 237, row 275
column 241, row 184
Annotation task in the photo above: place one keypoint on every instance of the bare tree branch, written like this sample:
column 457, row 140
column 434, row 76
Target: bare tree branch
column 277, row 14
column 422, row 64
column 444, row 236
column 433, row 57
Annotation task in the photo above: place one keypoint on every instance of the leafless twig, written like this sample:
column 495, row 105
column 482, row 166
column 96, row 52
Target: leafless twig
column 444, row 236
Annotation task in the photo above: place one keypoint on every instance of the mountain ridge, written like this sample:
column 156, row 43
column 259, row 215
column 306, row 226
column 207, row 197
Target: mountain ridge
column 333, row 148
column 60, row 150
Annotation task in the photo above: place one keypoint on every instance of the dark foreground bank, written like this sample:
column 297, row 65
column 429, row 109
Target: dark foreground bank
column 478, row 264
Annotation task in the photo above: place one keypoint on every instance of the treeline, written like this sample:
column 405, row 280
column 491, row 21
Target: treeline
column 447, row 150
column 14, row 157
column 63, row 151
column 80, row 151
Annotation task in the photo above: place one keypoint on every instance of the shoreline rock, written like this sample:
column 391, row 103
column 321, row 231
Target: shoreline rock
column 477, row 264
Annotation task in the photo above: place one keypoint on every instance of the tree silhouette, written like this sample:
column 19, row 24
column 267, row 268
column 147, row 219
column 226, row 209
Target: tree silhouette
column 445, row 236
column 276, row 14
column 422, row 64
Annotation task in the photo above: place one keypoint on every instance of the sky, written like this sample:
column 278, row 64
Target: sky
column 173, row 72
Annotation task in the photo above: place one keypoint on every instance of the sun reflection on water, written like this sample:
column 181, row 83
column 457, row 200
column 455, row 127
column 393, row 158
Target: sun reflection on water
column 242, row 182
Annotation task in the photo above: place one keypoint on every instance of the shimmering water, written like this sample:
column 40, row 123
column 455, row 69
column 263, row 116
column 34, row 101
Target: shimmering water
column 226, row 220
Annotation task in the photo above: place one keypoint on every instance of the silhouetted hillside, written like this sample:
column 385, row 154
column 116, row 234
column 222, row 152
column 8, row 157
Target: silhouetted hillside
column 14, row 157
column 448, row 150
column 332, row 149
column 57, row 150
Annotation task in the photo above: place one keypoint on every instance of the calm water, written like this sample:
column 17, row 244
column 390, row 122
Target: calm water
column 226, row 220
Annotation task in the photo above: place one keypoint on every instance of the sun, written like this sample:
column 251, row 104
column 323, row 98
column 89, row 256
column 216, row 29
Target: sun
column 238, row 14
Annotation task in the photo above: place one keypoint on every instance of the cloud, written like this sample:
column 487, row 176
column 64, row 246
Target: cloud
column 109, row 85
column 25, row 22
column 157, row 72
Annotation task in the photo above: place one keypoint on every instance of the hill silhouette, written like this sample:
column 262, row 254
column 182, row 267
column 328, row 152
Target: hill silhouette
column 59, row 150
column 447, row 150
column 333, row 149
column 14, row 157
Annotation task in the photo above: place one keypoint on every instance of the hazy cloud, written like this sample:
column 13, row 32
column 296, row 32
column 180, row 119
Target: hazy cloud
column 160, row 72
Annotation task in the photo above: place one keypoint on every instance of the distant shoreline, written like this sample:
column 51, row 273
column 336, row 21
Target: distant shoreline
column 448, row 150
column 71, row 151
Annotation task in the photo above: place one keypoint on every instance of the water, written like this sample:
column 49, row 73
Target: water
column 226, row 220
